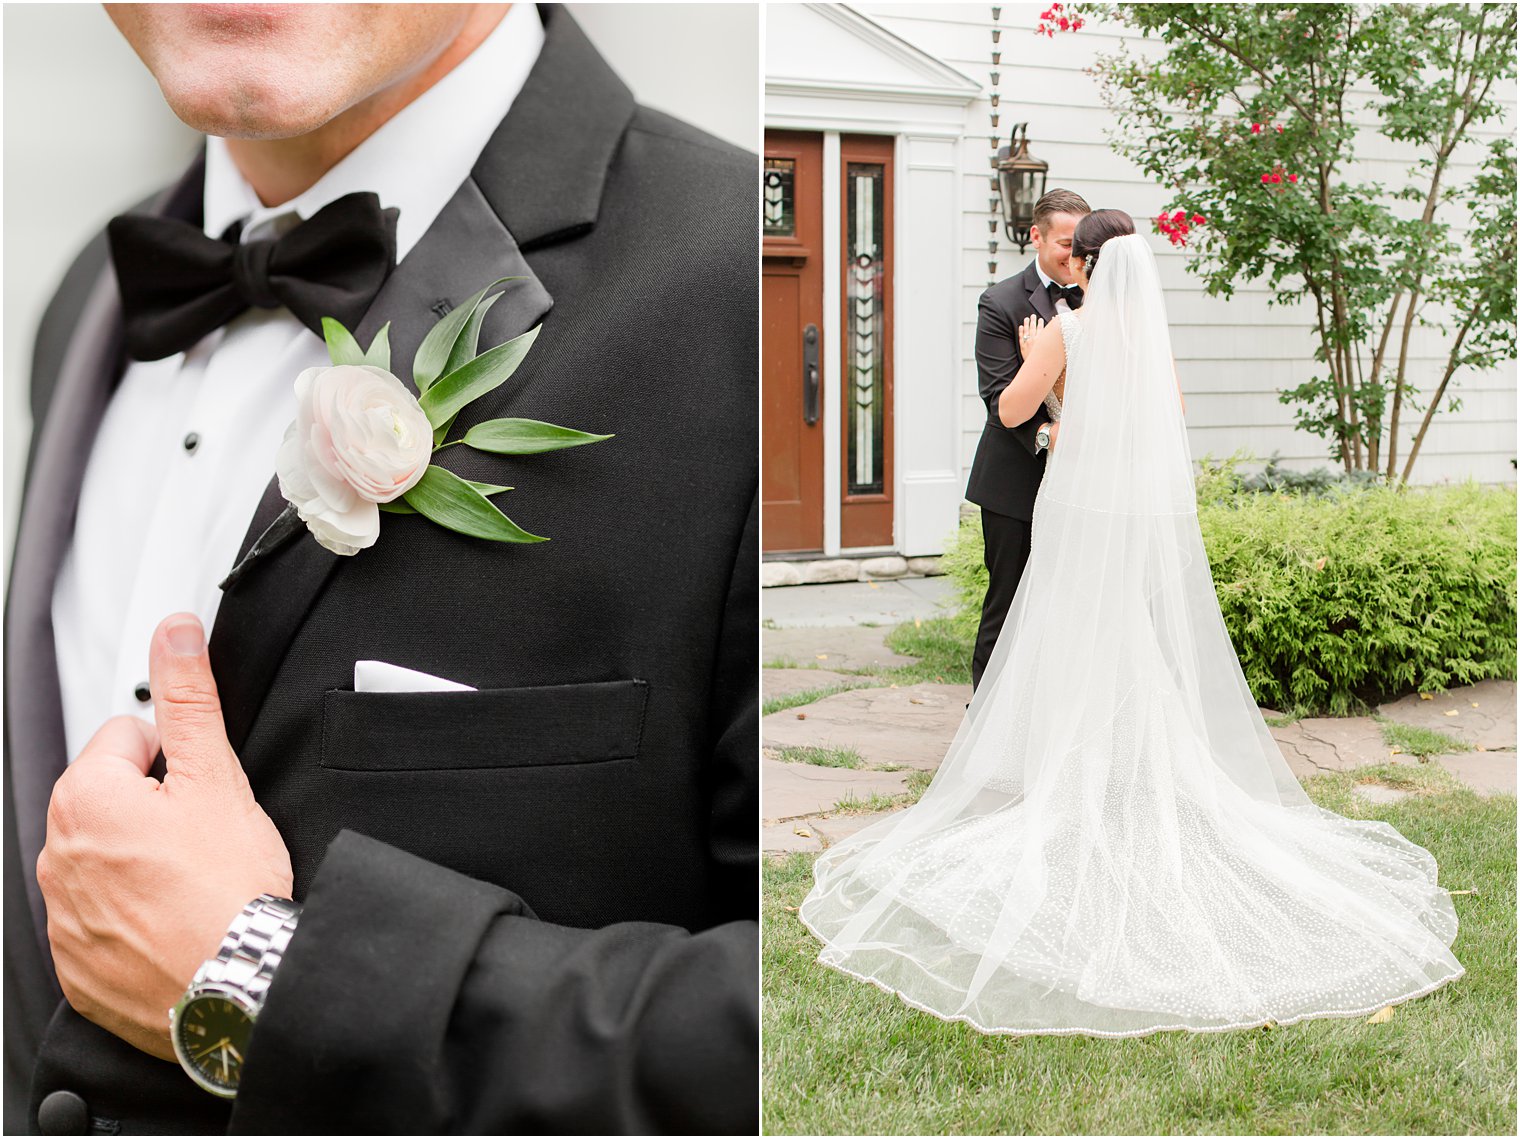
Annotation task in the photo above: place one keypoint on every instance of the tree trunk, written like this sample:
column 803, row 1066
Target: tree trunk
column 1430, row 412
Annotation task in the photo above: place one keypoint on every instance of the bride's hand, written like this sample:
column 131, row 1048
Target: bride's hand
column 1028, row 331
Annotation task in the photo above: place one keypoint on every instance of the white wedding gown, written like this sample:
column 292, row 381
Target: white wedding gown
column 1113, row 844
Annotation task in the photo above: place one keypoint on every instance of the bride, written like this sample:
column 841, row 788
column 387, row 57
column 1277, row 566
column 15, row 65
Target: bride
column 1113, row 844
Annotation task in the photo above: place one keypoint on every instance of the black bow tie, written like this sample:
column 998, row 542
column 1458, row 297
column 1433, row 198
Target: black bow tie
column 177, row 284
column 1072, row 293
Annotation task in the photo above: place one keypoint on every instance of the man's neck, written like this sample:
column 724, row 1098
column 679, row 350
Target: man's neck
column 278, row 169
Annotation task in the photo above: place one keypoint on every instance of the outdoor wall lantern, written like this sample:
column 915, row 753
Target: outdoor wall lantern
column 1021, row 182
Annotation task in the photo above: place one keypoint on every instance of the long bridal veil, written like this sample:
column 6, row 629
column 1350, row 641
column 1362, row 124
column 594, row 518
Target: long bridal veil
column 1113, row 844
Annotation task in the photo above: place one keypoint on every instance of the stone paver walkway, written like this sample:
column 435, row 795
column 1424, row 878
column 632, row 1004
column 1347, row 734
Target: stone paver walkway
column 885, row 603
column 909, row 727
column 851, row 647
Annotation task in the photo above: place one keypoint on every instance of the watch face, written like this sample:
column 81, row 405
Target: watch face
column 211, row 1032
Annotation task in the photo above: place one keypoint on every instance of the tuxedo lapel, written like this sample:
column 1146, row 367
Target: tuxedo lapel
column 1038, row 297
column 546, row 165
column 37, row 752
column 465, row 248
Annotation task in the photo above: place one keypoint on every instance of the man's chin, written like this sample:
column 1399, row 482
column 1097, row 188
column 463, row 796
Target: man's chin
column 251, row 114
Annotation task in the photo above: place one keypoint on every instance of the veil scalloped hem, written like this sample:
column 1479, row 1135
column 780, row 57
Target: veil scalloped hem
column 988, row 1030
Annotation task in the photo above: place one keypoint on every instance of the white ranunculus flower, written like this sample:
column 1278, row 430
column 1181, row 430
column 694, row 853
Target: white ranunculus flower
column 359, row 438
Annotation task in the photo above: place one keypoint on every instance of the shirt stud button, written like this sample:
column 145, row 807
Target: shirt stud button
column 143, row 693
column 192, row 441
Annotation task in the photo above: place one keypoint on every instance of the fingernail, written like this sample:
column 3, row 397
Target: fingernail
column 187, row 638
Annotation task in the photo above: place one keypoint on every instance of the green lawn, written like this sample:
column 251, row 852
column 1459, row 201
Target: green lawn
column 841, row 1057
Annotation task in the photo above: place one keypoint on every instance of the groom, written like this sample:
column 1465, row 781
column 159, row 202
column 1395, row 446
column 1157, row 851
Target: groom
column 528, row 907
column 1009, row 463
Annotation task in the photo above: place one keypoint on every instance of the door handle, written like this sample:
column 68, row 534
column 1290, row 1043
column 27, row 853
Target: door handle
column 810, row 374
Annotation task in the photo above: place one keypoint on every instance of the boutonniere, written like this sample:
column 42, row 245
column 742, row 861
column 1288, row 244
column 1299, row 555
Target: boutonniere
column 363, row 443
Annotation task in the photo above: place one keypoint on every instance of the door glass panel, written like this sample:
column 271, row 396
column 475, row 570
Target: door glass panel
column 865, row 378
column 778, row 193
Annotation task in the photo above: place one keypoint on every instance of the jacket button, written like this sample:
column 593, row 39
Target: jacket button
column 63, row 1113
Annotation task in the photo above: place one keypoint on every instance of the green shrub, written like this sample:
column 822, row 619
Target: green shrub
column 1275, row 478
column 1339, row 600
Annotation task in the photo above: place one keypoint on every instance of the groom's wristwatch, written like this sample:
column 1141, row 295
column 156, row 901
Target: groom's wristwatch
column 1042, row 439
column 211, row 1024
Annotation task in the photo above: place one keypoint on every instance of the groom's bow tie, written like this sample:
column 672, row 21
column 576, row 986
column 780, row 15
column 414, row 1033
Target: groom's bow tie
column 177, row 284
column 1072, row 293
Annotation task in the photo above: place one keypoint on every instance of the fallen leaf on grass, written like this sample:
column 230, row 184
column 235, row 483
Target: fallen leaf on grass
column 1382, row 1016
column 918, row 622
column 1426, row 696
column 802, row 833
column 1455, row 893
column 791, row 909
column 1479, row 747
column 1450, row 712
column 1396, row 751
column 1320, row 564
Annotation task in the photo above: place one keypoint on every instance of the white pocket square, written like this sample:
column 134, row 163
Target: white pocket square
column 377, row 676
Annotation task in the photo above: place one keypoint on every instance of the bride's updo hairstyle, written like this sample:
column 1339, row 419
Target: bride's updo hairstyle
column 1093, row 230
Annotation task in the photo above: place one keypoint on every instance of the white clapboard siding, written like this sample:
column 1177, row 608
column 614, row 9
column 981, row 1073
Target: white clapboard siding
column 1234, row 355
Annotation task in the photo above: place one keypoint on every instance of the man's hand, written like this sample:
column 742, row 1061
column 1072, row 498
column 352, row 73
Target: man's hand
column 143, row 878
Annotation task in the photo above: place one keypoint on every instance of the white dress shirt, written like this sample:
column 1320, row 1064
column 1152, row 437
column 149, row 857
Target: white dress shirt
column 188, row 443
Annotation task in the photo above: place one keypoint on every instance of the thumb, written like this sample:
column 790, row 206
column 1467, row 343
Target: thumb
column 185, row 703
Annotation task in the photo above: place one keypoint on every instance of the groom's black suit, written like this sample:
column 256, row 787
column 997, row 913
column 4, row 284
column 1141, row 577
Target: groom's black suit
column 530, row 908
column 1005, row 475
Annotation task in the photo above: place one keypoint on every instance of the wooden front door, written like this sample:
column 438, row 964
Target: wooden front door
column 865, row 179
column 792, row 347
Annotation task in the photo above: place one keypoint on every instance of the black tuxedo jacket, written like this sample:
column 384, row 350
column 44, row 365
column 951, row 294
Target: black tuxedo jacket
column 532, row 907
column 1006, row 473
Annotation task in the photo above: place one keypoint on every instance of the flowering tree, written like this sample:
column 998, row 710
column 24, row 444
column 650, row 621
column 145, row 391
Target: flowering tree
column 1251, row 118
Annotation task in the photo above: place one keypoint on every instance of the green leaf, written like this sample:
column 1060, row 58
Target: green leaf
column 444, row 399
column 437, row 346
column 441, row 432
column 525, row 437
column 342, row 348
column 468, row 343
column 454, row 504
column 400, row 505
column 379, row 354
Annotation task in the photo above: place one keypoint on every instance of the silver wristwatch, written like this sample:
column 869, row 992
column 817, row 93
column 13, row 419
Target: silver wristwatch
column 212, row 1022
column 1042, row 439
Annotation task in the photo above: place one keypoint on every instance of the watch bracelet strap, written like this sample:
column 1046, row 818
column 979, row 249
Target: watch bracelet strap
column 253, row 946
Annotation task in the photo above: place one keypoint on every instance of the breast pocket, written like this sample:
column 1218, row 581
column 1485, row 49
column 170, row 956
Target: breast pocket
column 489, row 728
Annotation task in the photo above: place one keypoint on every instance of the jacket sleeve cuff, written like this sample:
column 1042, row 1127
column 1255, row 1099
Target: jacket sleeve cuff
column 360, row 1005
